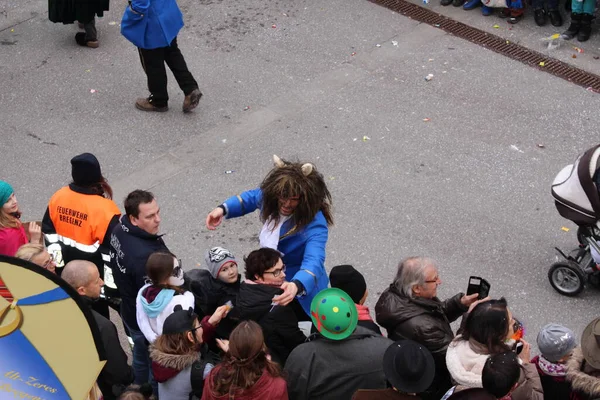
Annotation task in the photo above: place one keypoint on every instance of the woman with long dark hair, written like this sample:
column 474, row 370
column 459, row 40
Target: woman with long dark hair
column 489, row 329
column 156, row 300
column 12, row 232
column 79, row 220
column 246, row 372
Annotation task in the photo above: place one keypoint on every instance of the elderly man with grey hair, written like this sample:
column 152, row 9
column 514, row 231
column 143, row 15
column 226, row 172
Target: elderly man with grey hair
column 410, row 309
column 83, row 276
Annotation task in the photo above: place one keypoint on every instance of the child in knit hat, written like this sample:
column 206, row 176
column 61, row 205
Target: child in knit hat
column 556, row 343
column 215, row 286
column 348, row 279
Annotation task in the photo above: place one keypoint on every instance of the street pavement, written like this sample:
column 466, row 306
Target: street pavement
column 457, row 168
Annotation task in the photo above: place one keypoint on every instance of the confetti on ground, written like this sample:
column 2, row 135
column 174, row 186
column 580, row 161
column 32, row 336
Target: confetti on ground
column 93, row 90
column 578, row 49
column 12, row 30
column 541, row 145
column 542, row 64
column 426, row 119
column 387, row 129
column 496, row 26
column 395, row 43
column 437, row 25
column 224, row 141
column 515, row 148
column 88, row 70
column 355, row 139
column 429, row 77
column 443, row 72
column 273, row 26
column 377, row 45
column 430, row 60
column 565, row 229
column 246, row 108
column 331, row 178
column 353, row 53
column 365, row 138
column 508, row 42
column 229, row 171
column 112, row 23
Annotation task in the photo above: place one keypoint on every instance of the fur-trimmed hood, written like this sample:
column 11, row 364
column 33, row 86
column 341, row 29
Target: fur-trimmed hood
column 165, row 366
column 464, row 364
column 583, row 377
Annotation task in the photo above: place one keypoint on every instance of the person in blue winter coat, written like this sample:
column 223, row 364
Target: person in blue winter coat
column 153, row 26
column 295, row 208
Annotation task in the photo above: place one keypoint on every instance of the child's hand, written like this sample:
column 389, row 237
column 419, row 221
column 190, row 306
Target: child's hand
column 218, row 315
column 223, row 345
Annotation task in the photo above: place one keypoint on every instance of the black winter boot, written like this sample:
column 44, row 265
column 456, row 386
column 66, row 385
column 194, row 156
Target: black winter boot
column 573, row 29
column 586, row 27
column 555, row 17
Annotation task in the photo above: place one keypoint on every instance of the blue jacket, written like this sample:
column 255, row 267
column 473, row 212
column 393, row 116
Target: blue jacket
column 150, row 24
column 303, row 251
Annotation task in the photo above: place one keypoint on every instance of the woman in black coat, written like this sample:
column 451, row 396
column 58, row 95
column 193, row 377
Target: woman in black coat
column 265, row 272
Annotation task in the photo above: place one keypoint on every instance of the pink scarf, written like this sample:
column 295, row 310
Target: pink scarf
column 363, row 313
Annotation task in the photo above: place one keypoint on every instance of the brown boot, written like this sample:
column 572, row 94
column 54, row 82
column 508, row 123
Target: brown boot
column 191, row 100
column 144, row 104
column 80, row 39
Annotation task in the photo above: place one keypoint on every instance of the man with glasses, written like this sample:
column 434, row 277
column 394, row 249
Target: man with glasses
column 295, row 208
column 265, row 274
column 410, row 309
column 131, row 243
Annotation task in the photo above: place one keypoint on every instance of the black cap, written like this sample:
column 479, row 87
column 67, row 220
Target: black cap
column 409, row 366
column 180, row 321
column 347, row 278
column 85, row 169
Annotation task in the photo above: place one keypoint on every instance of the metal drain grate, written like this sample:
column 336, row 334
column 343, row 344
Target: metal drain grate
column 495, row 43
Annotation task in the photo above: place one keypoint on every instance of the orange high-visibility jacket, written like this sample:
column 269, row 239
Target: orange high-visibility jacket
column 77, row 226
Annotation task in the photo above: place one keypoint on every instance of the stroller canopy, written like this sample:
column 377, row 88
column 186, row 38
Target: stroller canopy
column 575, row 189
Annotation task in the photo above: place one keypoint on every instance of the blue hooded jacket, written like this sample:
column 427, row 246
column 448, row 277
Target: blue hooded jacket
column 151, row 24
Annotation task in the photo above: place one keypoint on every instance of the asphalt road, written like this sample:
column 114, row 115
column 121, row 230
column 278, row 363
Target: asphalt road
column 448, row 168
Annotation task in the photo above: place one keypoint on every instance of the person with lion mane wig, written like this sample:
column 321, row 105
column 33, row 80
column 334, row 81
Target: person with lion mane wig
column 295, row 209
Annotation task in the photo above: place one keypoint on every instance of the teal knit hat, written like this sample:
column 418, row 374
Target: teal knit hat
column 5, row 191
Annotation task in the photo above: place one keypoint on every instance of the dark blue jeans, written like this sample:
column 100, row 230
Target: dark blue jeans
column 142, row 365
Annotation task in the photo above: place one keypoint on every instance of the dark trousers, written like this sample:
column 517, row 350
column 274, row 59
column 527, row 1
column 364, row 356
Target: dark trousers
column 153, row 62
column 90, row 30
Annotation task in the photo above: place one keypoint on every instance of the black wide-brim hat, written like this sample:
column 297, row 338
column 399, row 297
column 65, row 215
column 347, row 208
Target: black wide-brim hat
column 409, row 366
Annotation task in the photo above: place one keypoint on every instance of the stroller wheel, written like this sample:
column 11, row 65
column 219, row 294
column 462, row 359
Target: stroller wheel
column 566, row 278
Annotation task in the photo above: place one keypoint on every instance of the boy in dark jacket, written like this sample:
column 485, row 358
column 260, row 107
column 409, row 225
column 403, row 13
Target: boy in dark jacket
column 265, row 272
column 347, row 278
column 556, row 343
column 215, row 286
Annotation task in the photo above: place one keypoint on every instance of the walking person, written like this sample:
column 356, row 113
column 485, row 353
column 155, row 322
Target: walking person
column 153, row 25
column 69, row 11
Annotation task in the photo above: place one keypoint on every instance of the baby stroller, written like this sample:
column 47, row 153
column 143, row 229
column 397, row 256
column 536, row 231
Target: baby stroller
column 576, row 193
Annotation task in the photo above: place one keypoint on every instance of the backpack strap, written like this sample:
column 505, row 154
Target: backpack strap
column 197, row 379
column 197, row 371
column 587, row 179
